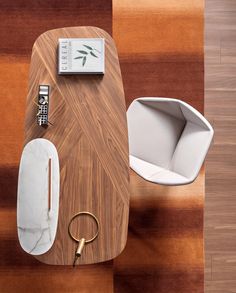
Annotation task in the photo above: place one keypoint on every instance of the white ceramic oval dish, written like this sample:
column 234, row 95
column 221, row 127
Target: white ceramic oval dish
column 38, row 196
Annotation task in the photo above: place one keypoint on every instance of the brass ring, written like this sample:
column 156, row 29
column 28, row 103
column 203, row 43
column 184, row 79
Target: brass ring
column 81, row 214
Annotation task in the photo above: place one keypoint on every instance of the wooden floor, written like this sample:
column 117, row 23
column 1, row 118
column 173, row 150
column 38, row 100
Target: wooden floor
column 220, row 109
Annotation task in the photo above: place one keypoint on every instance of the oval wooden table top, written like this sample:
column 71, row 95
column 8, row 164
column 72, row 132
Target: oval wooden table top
column 89, row 130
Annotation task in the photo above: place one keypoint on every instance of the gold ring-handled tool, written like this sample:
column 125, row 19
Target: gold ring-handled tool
column 82, row 241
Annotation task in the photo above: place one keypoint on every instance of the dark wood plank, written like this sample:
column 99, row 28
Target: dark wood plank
column 90, row 133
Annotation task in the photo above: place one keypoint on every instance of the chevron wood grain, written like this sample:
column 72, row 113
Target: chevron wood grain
column 89, row 130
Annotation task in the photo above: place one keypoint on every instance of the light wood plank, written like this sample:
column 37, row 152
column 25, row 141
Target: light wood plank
column 224, row 267
column 221, row 286
column 228, row 52
column 220, row 5
column 221, row 105
column 223, row 20
column 220, row 77
column 220, row 109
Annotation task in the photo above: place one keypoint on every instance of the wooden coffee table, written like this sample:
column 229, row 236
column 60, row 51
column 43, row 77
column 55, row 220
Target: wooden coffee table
column 89, row 130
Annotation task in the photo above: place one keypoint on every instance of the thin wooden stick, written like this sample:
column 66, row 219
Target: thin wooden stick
column 49, row 183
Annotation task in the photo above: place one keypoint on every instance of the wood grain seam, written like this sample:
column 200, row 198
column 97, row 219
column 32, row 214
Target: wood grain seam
column 116, row 185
